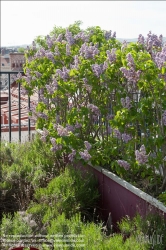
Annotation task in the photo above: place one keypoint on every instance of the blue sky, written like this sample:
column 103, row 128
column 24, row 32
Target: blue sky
column 22, row 21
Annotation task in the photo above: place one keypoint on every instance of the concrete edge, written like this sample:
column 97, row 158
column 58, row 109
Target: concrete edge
column 132, row 188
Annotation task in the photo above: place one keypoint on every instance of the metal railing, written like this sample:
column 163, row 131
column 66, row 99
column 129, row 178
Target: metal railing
column 5, row 91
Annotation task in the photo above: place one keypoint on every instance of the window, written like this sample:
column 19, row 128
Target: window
column 3, row 64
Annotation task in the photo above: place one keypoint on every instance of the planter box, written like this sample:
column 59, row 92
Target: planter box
column 121, row 198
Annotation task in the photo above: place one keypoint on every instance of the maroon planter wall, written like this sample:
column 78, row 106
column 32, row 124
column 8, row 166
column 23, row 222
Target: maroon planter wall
column 121, row 198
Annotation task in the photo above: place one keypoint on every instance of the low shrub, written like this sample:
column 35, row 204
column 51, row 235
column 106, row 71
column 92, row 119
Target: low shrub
column 73, row 233
column 25, row 167
column 69, row 193
column 150, row 230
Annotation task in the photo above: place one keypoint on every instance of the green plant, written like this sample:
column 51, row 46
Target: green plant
column 125, row 226
column 12, row 228
column 89, row 235
column 148, row 231
column 162, row 197
column 69, row 193
column 101, row 100
column 25, row 167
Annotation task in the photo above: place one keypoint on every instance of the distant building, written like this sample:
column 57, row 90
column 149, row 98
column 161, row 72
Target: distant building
column 9, row 63
column 4, row 50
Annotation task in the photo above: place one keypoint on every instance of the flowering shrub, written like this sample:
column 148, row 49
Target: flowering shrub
column 100, row 100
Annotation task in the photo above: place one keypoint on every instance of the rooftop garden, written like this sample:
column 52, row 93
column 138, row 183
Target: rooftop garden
column 100, row 101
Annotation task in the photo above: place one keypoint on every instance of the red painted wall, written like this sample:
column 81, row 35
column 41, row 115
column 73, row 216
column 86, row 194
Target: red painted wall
column 119, row 201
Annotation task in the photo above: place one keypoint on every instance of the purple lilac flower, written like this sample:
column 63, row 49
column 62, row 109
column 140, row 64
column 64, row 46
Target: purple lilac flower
column 68, row 52
column 83, row 36
column 53, row 141
column 85, row 155
column 87, row 145
column 88, row 51
column 18, row 77
column 44, row 134
column 164, row 118
column 105, row 65
column 141, row 156
column 42, row 115
column 27, row 79
column 59, row 72
column 114, row 34
column 153, row 40
column 56, row 147
column 111, row 55
column 64, row 73
column 94, row 109
column 108, row 34
column 72, row 155
column 38, row 74
column 40, row 53
column 117, row 133
column 56, row 51
column 43, row 138
column 141, row 39
column 124, row 45
column 49, row 41
column 126, row 138
column 131, row 75
column 23, row 91
column 126, row 102
column 130, row 60
column 76, row 62
column 62, row 131
column 28, row 72
column 52, row 87
column 59, row 38
column 124, row 164
column 97, row 69
column 50, row 56
column 41, row 91
column 70, row 128
column 160, row 58
column 78, row 125
column 69, row 37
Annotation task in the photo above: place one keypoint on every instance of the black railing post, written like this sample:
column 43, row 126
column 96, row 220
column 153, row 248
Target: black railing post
column 19, row 112
column 9, row 73
column 9, row 101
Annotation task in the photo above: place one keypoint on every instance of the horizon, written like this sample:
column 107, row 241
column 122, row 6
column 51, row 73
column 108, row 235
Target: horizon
column 128, row 19
column 118, row 38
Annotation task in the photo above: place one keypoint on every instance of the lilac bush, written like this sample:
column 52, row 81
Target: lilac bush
column 100, row 99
